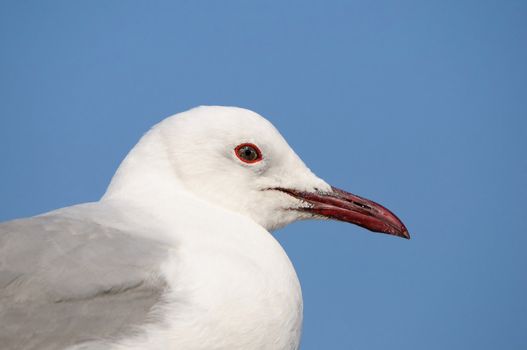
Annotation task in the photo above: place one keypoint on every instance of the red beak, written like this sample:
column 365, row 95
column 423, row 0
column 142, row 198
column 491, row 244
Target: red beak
column 344, row 206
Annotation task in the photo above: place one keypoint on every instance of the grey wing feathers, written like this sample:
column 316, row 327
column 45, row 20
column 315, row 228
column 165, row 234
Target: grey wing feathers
column 65, row 281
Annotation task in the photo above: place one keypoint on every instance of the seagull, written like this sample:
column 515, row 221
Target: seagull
column 178, row 253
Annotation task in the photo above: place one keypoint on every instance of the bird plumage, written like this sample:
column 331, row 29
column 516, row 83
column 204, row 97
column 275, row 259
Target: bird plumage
column 178, row 253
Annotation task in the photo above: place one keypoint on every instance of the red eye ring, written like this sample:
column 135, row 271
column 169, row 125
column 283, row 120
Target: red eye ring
column 248, row 153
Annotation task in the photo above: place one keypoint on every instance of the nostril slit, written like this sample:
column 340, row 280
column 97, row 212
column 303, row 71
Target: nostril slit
column 363, row 206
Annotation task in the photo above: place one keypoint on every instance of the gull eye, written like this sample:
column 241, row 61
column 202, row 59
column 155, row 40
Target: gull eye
column 248, row 153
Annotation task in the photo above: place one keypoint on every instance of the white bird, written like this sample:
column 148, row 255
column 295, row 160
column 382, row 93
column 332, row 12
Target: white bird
column 178, row 253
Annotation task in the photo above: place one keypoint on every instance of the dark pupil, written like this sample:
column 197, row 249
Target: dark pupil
column 248, row 153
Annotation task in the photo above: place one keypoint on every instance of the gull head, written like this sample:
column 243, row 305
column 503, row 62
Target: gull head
column 236, row 159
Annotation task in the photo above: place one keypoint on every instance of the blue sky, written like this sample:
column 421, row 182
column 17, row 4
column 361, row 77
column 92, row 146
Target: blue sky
column 421, row 106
